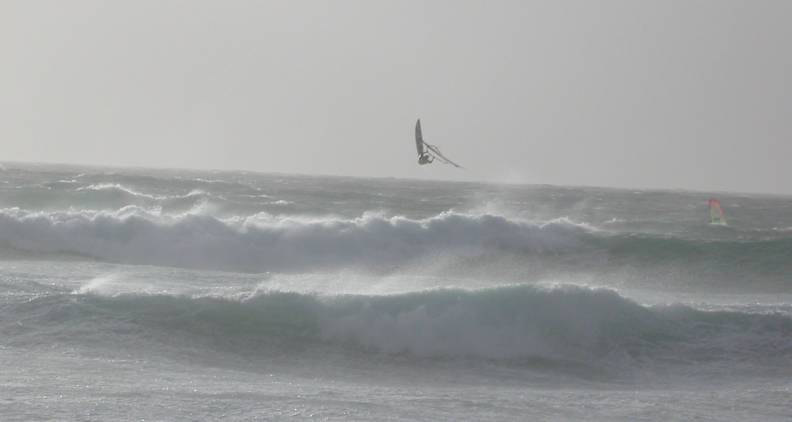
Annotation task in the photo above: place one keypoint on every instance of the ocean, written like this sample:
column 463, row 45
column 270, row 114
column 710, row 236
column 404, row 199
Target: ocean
column 170, row 295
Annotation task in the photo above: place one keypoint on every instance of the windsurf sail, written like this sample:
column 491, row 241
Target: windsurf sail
column 716, row 213
column 419, row 143
column 427, row 152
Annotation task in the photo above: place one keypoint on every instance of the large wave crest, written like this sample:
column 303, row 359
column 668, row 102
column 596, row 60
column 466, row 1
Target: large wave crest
column 266, row 243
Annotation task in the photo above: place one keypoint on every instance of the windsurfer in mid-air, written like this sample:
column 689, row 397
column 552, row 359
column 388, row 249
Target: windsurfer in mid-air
column 428, row 155
column 425, row 159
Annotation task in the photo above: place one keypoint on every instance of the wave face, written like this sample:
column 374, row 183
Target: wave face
column 518, row 325
column 263, row 242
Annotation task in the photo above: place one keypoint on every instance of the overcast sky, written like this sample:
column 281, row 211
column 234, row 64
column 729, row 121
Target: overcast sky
column 664, row 94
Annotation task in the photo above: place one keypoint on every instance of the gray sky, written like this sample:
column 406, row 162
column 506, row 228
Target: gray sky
column 668, row 94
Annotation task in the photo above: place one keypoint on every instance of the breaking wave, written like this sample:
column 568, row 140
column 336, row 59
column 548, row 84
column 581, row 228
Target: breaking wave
column 265, row 243
column 592, row 327
column 117, row 188
column 262, row 242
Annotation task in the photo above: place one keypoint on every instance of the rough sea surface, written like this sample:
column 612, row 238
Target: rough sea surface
column 170, row 295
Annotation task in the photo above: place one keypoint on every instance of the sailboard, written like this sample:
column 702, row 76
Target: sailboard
column 426, row 149
column 716, row 213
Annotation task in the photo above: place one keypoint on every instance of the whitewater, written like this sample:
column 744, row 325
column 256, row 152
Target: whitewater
column 144, row 294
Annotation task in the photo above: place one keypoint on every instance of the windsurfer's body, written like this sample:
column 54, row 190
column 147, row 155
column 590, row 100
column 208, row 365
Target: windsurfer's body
column 425, row 159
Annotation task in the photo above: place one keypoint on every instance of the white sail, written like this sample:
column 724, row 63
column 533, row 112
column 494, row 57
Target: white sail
column 419, row 143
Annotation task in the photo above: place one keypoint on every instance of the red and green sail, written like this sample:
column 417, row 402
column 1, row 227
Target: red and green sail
column 716, row 212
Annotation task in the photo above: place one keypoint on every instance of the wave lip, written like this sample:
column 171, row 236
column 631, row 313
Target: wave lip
column 121, row 189
column 265, row 243
column 118, row 188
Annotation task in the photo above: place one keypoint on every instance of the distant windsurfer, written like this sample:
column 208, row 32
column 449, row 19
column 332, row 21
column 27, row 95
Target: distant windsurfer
column 431, row 152
column 716, row 213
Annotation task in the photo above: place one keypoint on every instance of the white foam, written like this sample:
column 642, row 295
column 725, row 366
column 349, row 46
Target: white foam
column 117, row 187
column 98, row 285
column 263, row 242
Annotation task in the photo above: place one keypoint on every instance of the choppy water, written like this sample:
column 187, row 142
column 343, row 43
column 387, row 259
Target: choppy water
column 178, row 295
